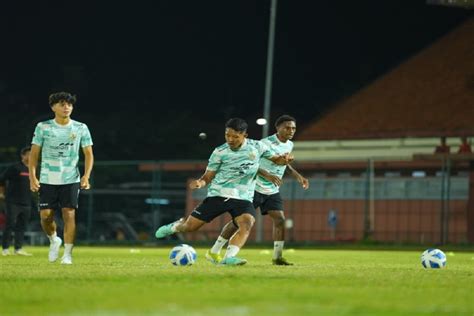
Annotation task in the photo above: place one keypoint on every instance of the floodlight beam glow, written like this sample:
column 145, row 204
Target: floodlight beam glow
column 261, row 121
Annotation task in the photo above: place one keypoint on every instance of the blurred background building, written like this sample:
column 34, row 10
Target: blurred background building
column 384, row 102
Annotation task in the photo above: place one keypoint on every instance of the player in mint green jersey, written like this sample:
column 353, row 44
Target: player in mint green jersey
column 267, row 192
column 231, row 174
column 58, row 142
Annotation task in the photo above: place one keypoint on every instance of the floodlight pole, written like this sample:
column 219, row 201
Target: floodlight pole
column 268, row 96
column 269, row 74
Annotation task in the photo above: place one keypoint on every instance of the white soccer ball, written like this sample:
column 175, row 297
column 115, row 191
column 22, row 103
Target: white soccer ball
column 183, row 255
column 433, row 259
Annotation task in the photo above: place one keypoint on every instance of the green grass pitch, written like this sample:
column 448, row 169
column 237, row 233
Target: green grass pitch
column 141, row 281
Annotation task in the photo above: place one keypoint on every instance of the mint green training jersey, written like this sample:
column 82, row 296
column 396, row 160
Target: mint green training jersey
column 263, row 185
column 60, row 146
column 236, row 169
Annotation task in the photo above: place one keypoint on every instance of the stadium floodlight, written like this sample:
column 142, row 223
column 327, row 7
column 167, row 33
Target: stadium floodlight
column 262, row 121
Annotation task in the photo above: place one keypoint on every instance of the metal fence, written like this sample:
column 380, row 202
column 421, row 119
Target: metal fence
column 377, row 200
column 386, row 201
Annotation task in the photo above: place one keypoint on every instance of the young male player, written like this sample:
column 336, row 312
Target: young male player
column 267, row 192
column 58, row 142
column 230, row 174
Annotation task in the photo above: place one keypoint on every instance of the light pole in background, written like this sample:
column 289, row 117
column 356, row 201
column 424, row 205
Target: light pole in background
column 268, row 97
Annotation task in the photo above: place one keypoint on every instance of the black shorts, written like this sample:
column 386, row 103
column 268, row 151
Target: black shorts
column 214, row 206
column 272, row 202
column 53, row 196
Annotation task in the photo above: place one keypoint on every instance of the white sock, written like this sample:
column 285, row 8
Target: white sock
column 278, row 249
column 173, row 227
column 220, row 242
column 52, row 237
column 68, row 249
column 232, row 251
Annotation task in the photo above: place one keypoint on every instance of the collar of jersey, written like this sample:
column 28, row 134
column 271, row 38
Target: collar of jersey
column 59, row 125
column 278, row 140
column 244, row 143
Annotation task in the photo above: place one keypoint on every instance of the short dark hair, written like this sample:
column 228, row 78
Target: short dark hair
column 25, row 149
column 237, row 124
column 61, row 96
column 283, row 119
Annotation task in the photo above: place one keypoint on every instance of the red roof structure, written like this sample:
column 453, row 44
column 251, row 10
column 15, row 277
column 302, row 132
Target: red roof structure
column 430, row 95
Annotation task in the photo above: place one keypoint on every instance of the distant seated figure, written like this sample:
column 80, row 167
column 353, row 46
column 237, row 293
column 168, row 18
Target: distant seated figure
column 465, row 147
column 443, row 148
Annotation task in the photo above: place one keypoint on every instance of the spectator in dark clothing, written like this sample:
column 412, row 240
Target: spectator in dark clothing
column 18, row 203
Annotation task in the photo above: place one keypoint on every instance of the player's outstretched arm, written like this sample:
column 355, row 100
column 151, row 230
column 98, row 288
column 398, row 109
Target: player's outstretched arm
column 301, row 180
column 282, row 159
column 270, row 177
column 203, row 180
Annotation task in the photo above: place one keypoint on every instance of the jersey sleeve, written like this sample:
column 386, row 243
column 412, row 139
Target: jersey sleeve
column 291, row 145
column 38, row 136
column 214, row 161
column 86, row 139
column 265, row 150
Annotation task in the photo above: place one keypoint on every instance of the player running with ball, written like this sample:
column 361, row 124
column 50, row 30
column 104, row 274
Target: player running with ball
column 267, row 193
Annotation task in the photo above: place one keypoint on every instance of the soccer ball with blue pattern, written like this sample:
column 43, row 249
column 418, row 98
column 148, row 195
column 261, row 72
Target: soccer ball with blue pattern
column 183, row 255
column 433, row 259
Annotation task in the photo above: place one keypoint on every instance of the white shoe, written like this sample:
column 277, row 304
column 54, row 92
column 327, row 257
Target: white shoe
column 66, row 259
column 54, row 249
column 21, row 252
column 6, row 252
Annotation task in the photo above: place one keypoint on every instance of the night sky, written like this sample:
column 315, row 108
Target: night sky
column 151, row 75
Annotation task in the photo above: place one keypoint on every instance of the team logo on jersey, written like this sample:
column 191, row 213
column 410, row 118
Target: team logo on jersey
column 73, row 136
column 252, row 156
column 244, row 168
